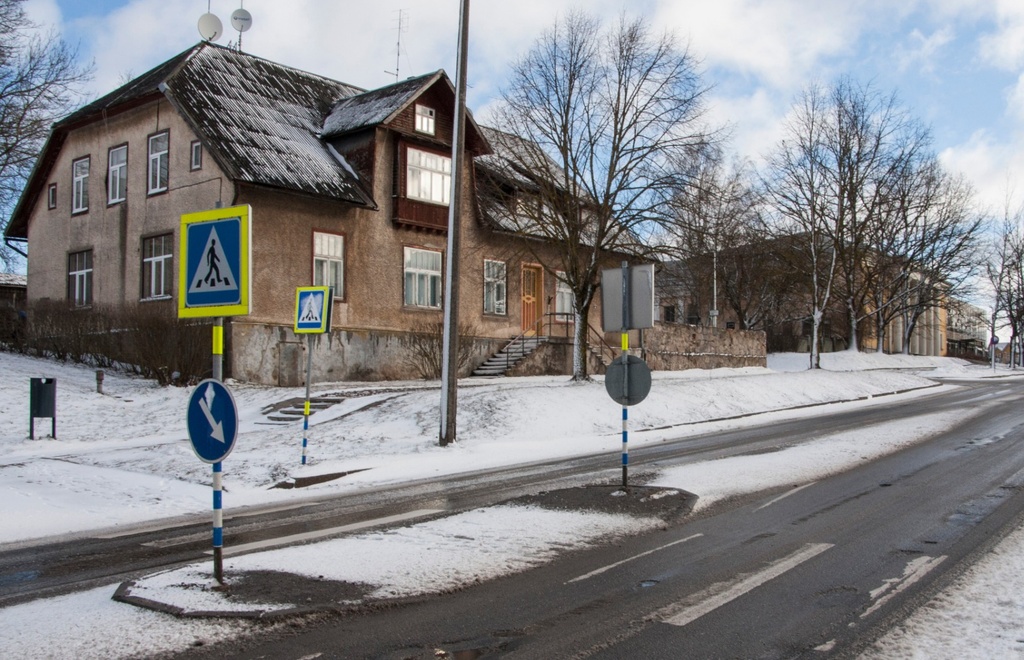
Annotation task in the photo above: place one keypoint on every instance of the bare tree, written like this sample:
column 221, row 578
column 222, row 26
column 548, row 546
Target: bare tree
column 855, row 180
column 718, row 234
column 39, row 81
column 609, row 118
column 798, row 185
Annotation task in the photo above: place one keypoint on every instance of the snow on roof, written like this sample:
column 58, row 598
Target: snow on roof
column 10, row 279
column 263, row 120
column 374, row 107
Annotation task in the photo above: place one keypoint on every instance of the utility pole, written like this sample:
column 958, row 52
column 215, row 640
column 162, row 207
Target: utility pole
column 450, row 343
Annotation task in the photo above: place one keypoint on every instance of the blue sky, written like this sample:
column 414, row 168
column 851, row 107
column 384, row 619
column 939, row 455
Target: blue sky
column 955, row 64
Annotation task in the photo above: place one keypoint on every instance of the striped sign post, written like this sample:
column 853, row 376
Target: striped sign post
column 313, row 306
column 213, row 428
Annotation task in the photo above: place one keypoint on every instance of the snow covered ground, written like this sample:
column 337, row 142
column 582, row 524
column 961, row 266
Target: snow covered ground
column 122, row 458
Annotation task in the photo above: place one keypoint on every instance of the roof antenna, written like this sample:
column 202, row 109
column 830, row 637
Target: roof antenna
column 403, row 25
column 241, row 20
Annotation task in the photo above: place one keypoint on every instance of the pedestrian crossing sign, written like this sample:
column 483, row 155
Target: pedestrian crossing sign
column 313, row 309
column 213, row 274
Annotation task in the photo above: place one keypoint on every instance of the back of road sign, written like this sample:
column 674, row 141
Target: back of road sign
column 641, row 298
column 628, row 387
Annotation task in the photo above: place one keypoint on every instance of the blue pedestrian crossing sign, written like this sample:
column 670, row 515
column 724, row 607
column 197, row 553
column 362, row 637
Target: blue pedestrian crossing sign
column 212, row 421
column 313, row 309
column 213, row 275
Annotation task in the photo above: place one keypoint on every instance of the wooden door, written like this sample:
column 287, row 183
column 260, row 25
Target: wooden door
column 532, row 292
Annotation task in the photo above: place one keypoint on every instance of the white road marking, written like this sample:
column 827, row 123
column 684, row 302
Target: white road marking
column 717, row 595
column 159, row 527
column 914, row 571
column 785, row 495
column 629, row 559
column 307, row 536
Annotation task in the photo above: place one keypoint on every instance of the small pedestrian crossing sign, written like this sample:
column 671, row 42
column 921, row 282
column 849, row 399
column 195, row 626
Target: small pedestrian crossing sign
column 214, row 270
column 313, row 309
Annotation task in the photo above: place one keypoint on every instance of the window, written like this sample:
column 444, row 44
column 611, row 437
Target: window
column 669, row 313
column 730, row 325
column 424, row 119
column 196, row 161
column 563, row 298
column 156, row 266
column 158, row 145
column 80, row 185
column 117, row 174
column 494, row 287
column 329, row 262
column 422, row 278
column 430, row 176
column 51, row 196
column 80, row 278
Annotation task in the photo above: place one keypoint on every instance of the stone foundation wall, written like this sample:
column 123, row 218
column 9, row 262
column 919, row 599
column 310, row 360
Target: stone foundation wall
column 275, row 355
column 672, row 347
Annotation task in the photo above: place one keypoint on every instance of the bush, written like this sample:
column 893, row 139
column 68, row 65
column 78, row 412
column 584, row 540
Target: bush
column 425, row 344
column 148, row 340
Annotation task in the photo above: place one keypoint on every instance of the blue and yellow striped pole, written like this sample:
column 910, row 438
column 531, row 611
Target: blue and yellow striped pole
column 625, row 419
column 218, row 512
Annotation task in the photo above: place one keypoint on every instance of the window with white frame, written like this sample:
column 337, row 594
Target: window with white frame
column 157, row 253
column 51, row 196
column 563, row 298
column 196, row 159
column 429, row 176
column 158, row 162
column 80, row 278
column 494, row 287
column 117, row 174
column 422, row 278
column 80, row 185
column 329, row 262
column 424, row 119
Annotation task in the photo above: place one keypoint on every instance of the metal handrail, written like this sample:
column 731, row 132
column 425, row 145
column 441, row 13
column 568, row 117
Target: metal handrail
column 602, row 344
column 595, row 337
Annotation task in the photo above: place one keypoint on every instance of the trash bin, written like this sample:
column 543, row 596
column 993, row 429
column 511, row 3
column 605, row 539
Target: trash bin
column 42, row 402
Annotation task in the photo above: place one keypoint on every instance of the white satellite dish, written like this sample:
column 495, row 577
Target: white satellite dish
column 210, row 27
column 241, row 20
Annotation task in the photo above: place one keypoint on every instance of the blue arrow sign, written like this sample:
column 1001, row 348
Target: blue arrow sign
column 212, row 421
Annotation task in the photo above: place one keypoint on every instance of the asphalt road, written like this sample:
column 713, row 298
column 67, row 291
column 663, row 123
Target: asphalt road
column 815, row 570
column 818, row 570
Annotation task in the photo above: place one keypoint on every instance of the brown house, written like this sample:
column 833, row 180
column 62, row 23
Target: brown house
column 347, row 187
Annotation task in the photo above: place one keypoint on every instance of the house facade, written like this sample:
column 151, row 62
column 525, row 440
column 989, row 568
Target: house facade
column 347, row 188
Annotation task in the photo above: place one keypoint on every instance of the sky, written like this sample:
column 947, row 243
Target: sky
column 956, row 65
column 121, row 460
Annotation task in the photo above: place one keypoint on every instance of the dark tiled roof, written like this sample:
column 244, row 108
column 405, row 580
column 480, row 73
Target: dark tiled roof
column 374, row 107
column 262, row 121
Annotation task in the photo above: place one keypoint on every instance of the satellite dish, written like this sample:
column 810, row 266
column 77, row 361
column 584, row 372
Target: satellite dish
column 210, row 27
column 241, row 20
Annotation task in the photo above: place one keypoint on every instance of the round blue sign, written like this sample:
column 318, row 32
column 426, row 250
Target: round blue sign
column 212, row 421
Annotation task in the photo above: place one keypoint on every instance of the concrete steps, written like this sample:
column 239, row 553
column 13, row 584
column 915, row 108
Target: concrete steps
column 499, row 363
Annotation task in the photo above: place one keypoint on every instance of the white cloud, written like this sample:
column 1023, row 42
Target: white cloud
column 991, row 165
column 782, row 43
column 923, row 49
column 1004, row 47
column 753, row 121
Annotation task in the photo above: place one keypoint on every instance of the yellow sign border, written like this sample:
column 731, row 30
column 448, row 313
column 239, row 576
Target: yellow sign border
column 244, row 213
column 325, row 311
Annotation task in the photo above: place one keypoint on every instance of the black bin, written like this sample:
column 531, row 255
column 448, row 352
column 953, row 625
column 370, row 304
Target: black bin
column 42, row 402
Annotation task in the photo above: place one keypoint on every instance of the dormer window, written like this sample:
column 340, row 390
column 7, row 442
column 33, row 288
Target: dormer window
column 424, row 119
